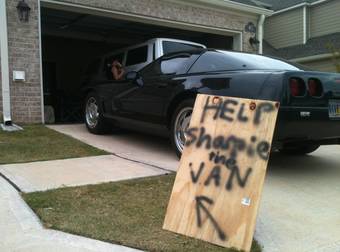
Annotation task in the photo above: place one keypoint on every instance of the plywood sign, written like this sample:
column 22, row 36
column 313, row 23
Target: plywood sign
column 219, row 182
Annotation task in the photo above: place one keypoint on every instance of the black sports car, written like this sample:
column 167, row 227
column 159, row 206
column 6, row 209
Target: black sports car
column 159, row 98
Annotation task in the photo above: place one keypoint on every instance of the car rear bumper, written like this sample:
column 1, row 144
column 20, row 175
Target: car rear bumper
column 296, row 124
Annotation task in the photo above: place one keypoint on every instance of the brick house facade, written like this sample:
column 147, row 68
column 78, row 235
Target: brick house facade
column 24, row 38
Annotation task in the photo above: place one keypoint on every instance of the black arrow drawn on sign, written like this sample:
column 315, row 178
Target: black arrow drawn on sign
column 200, row 207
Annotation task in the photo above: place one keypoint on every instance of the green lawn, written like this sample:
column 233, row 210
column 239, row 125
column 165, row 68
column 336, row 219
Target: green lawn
column 38, row 143
column 130, row 213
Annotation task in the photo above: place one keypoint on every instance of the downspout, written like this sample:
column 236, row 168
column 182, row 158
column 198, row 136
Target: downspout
column 6, row 102
column 305, row 24
column 260, row 32
column 41, row 66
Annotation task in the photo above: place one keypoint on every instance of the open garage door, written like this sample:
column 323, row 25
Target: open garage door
column 72, row 39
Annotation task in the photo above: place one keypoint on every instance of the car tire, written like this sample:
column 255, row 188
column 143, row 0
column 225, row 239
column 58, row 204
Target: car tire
column 179, row 123
column 301, row 149
column 94, row 120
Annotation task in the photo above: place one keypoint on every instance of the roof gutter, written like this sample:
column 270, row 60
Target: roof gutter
column 314, row 57
column 6, row 102
column 227, row 4
column 305, row 4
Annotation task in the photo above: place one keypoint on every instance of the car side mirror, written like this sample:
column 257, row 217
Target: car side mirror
column 131, row 76
column 134, row 77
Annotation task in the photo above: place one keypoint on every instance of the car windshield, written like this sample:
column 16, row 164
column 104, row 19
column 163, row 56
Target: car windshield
column 228, row 61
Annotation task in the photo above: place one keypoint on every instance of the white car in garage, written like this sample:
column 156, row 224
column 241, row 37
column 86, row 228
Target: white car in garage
column 135, row 57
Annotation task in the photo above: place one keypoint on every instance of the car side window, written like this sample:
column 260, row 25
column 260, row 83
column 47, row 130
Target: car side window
column 137, row 56
column 108, row 64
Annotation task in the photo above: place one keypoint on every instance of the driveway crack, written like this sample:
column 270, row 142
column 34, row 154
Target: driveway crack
column 141, row 162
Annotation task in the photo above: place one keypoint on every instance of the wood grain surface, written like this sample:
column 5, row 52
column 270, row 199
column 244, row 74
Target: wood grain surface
column 219, row 182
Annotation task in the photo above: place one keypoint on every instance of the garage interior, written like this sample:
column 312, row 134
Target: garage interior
column 71, row 40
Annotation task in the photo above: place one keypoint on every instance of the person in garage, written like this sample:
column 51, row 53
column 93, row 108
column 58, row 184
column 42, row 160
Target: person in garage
column 117, row 70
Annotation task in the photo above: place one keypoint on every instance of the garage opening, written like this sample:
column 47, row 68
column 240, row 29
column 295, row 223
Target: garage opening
column 72, row 40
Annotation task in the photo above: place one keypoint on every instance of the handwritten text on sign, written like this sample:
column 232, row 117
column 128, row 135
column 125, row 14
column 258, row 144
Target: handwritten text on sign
column 218, row 185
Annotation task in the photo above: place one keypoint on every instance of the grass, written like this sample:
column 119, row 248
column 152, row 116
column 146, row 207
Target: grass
column 130, row 213
column 38, row 143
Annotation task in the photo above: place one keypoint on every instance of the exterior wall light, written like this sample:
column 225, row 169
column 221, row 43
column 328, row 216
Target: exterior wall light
column 23, row 11
column 254, row 41
column 251, row 28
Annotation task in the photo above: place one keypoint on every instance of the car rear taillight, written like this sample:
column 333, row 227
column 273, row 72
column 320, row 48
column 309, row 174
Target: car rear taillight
column 297, row 87
column 315, row 87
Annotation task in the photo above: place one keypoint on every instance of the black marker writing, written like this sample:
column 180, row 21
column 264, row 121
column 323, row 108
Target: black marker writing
column 234, row 144
column 201, row 208
column 195, row 177
column 214, row 175
column 227, row 109
column 262, row 107
column 235, row 173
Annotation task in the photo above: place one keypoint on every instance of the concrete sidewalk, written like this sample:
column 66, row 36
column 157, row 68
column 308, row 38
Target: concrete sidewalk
column 41, row 176
column 21, row 231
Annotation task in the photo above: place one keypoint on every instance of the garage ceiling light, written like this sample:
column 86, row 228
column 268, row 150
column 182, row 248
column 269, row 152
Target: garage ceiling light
column 23, row 11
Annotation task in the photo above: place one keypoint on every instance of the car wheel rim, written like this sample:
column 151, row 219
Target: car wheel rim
column 181, row 125
column 92, row 113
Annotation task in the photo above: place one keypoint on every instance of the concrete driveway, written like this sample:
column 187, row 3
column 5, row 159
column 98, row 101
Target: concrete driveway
column 300, row 208
column 146, row 149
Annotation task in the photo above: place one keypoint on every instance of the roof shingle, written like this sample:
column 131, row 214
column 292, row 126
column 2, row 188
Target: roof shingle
column 314, row 46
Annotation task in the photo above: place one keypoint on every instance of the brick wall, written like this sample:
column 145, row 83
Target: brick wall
column 1, row 115
column 23, row 46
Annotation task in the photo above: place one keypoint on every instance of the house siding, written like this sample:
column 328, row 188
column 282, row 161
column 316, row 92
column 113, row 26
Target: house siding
column 324, row 18
column 285, row 29
column 322, row 65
